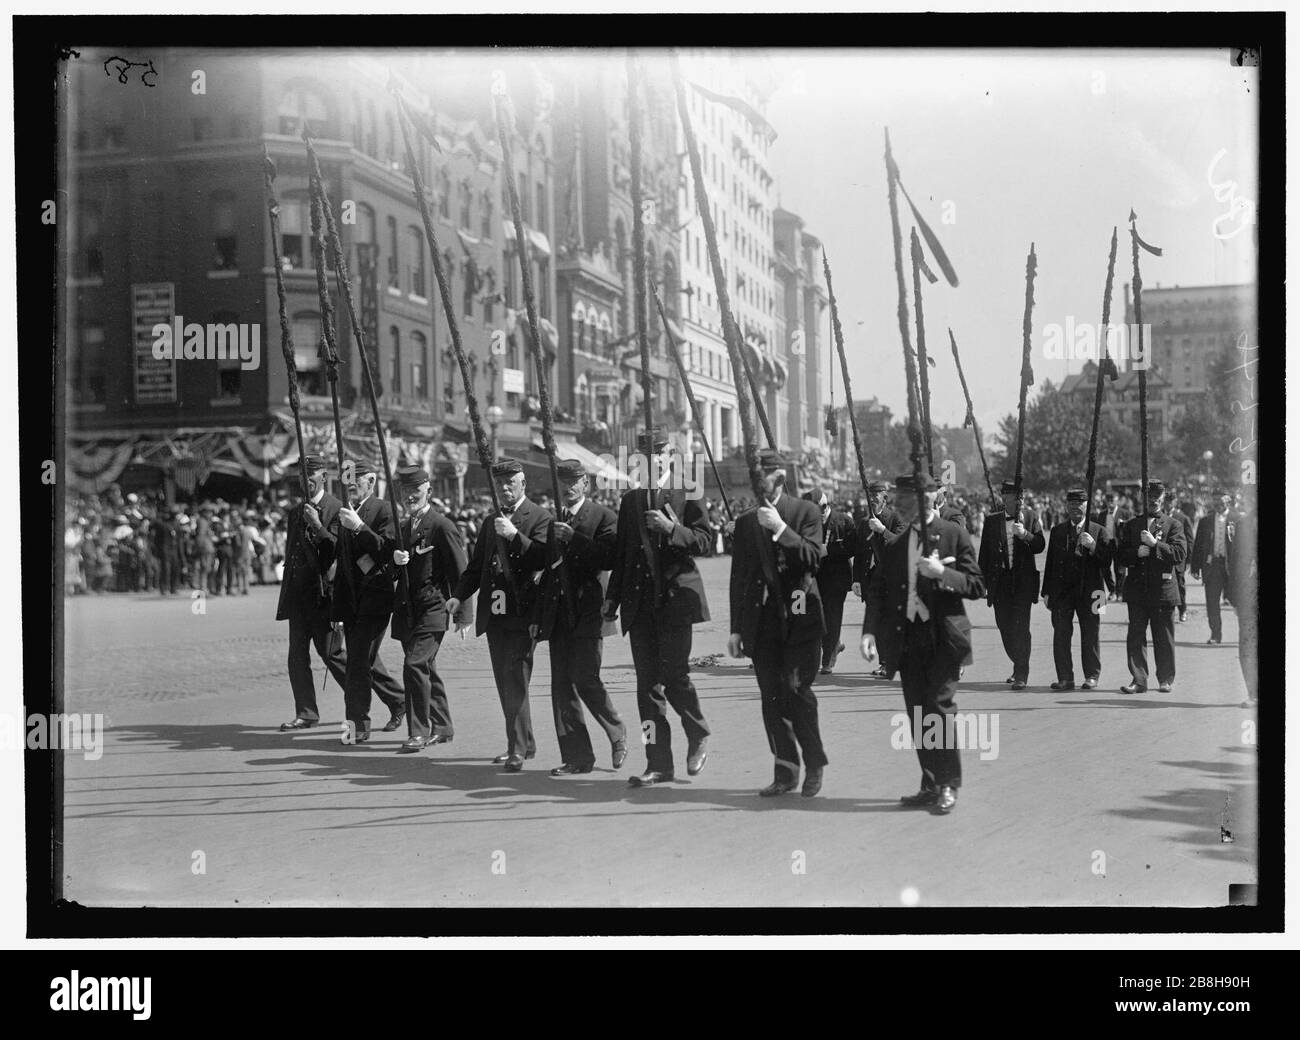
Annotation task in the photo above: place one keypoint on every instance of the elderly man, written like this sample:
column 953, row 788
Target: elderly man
column 835, row 576
column 1012, row 539
column 1211, row 553
column 363, row 601
column 505, row 607
column 1074, row 585
column 1153, row 546
column 656, row 587
column 432, row 563
column 583, row 540
column 776, row 619
column 916, row 624
column 874, row 535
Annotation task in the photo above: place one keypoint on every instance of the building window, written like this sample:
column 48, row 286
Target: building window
column 464, row 192
column 444, row 194
column 523, row 199
column 301, row 107
column 543, row 293
column 541, row 208
column 489, row 297
column 92, row 250
column 225, row 255
column 471, row 280
column 366, row 227
column 416, row 239
column 294, row 223
column 395, row 359
column 419, row 384
column 394, row 281
column 88, row 367
column 486, row 207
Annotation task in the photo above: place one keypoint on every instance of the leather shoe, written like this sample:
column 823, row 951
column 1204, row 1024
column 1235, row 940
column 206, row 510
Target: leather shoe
column 1019, row 684
column 620, row 753
column 285, row 727
column 514, row 764
column 357, row 738
column 924, row 797
column 1133, row 688
column 1058, row 686
column 394, row 721
column 812, row 782
column 1207, row 642
column 1089, row 684
column 501, row 759
column 649, row 778
column 945, row 801
column 1165, row 687
column 415, row 744
column 824, row 669
column 777, row 787
column 696, row 756
column 568, row 769
column 1010, row 679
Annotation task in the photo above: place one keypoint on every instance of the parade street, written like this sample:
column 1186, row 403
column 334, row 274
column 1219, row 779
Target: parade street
column 1085, row 797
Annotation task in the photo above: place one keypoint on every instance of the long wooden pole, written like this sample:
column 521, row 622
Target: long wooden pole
column 1026, row 368
column 909, row 361
column 848, row 386
column 1142, row 364
column 328, row 331
column 695, row 405
column 730, row 333
column 975, row 426
column 481, row 445
column 1101, row 367
column 922, row 360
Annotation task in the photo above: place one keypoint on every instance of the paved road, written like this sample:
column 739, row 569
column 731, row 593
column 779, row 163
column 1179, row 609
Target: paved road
column 1093, row 798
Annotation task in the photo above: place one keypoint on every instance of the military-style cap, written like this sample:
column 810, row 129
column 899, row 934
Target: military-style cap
column 653, row 444
column 411, row 476
column 909, row 482
column 506, row 467
column 877, row 486
column 1155, row 487
column 364, row 466
column 1076, row 495
column 570, row 469
column 1010, row 487
column 817, row 497
column 312, row 463
column 771, row 459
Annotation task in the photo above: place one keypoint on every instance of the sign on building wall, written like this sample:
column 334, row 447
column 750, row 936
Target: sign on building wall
column 152, row 304
column 512, row 380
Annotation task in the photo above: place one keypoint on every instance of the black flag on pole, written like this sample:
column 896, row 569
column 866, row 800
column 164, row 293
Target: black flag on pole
column 931, row 240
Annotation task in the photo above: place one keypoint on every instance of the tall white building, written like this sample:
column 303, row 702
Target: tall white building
column 734, row 156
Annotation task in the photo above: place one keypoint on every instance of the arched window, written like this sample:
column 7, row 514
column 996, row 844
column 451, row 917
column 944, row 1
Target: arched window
column 395, row 359
column 490, row 291
column 444, row 194
column 415, row 242
column 225, row 255
column 485, row 207
column 419, row 362
column 394, row 279
column 304, row 106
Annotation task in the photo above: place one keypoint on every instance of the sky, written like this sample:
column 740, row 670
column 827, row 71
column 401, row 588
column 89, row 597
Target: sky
column 1044, row 146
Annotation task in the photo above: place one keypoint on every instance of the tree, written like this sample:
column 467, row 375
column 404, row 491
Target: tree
column 1208, row 424
column 1057, row 429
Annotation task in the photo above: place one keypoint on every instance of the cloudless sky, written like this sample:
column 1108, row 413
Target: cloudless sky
column 1047, row 146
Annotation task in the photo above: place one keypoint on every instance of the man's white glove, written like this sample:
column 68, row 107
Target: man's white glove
column 350, row 519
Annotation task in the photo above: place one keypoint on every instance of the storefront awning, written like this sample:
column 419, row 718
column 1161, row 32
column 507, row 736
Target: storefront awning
column 598, row 467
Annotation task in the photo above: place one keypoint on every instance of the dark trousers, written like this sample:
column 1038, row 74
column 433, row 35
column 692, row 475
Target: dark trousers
column 1089, row 641
column 785, row 674
column 661, row 654
column 575, row 681
column 930, row 682
column 1013, row 623
column 1181, row 573
column 833, row 612
column 1121, row 576
column 169, row 572
column 1161, row 619
column 512, row 667
column 1215, row 575
column 365, row 668
column 427, row 711
column 308, row 627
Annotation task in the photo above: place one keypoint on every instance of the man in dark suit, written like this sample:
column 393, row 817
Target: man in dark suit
column 776, row 619
column 1012, row 538
column 433, row 561
column 1074, row 585
column 916, row 624
column 166, row 535
column 363, row 601
column 582, row 541
column 835, row 576
column 1243, row 570
column 948, row 510
column 1106, row 516
column 507, row 591
column 313, row 530
column 1212, row 550
column 657, row 588
column 874, row 534
column 1153, row 546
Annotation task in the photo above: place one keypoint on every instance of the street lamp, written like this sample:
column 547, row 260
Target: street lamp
column 494, row 414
